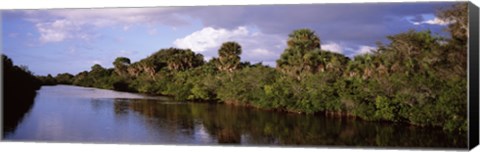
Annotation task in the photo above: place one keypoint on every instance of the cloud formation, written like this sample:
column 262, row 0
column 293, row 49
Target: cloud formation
column 52, row 32
column 256, row 46
column 333, row 47
column 261, row 30
column 434, row 21
column 60, row 25
column 60, row 30
column 350, row 23
column 111, row 16
column 365, row 50
column 208, row 38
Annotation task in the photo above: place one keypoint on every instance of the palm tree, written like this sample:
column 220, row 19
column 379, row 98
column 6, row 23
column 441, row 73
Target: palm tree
column 304, row 39
column 229, row 56
column 301, row 55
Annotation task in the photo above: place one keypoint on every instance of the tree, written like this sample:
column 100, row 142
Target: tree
column 362, row 66
column 457, row 16
column 302, row 53
column 456, row 50
column 64, row 78
column 97, row 68
column 171, row 59
column 183, row 59
column 304, row 40
column 7, row 62
column 229, row 56
column 147, row 66
column 332, row 62
column 18, row 92
column 49, row 80
column 134, row 69
column 97, row 73
column 411, row 52
column 121, row 64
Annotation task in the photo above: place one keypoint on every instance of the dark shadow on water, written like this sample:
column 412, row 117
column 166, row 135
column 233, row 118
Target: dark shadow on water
column 15, row 107
column 19, row 91
column 246, row 126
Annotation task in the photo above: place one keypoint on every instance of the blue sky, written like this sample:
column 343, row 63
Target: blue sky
column 72, row 40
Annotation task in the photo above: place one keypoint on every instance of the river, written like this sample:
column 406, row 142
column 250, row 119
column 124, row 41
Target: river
column 77, row 114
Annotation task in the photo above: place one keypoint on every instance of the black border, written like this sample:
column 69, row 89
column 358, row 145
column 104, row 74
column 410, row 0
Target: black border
column 473, row 55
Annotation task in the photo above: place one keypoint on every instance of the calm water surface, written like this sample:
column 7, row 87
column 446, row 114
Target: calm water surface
column 77, row 114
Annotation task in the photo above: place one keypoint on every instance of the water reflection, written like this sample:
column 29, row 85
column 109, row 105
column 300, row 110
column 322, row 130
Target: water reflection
column 18, row 107
column 235, row 125
column 121, row 106
column 61, row 115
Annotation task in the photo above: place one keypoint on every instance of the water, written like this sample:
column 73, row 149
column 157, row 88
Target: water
column 77, row 114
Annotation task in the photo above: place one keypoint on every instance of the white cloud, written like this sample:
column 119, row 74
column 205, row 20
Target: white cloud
column 207, row 58
column 256, row 46
column 434, row 21
column 126, row 16
column 60, row 30
column 261, row 55
column 262, row 52
column 208, row 38
column 364, row 50
column 59, row 25
column 333, row 47
column 96, row 62
column 54, row 31
column 270, row 63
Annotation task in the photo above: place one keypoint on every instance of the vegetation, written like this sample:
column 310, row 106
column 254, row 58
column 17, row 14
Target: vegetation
column 20, row 87
column 229, row 56
column 230, row 125
column 416, row 78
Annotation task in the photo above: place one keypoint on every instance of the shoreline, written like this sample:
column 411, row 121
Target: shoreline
column 328, row 114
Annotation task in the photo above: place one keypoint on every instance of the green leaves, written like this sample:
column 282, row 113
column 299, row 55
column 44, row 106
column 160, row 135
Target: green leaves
column 229, row 56
column 302, row 53
column 386, row 109
column 304, row 40
column 304, row 56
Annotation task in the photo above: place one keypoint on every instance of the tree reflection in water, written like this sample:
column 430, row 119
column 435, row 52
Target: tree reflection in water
column 18, row 107
column 238, row 125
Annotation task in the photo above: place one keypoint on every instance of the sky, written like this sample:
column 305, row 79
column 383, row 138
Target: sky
column 52, row 41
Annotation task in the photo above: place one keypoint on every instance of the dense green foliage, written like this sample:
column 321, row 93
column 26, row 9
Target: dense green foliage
column 416, row 78
column 228, row 56
column 19, row 90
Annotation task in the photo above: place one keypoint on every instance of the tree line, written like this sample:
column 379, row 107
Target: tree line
column 417, row 77
column 19, row 90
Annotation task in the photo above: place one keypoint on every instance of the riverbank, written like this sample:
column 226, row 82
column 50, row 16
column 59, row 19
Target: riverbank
column 330, row 114
column 78, row 114
column 19, row 91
